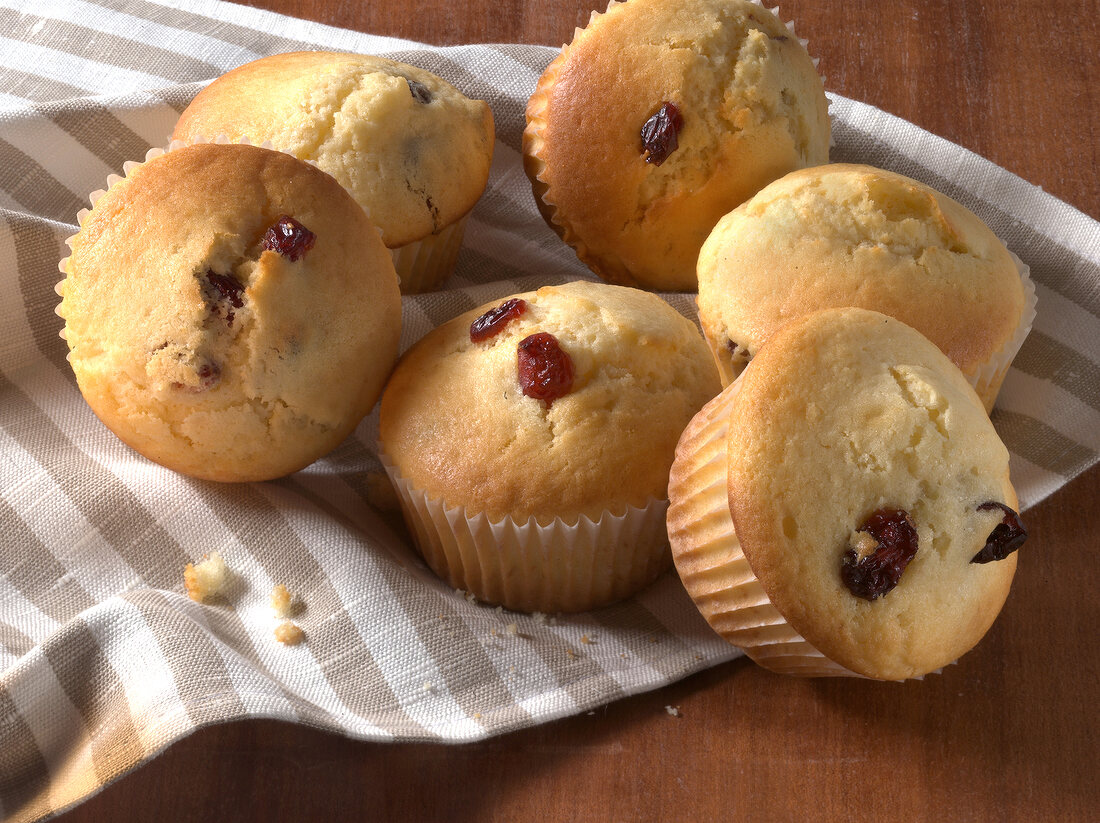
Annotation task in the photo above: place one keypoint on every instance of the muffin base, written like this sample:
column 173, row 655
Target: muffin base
column 423, row 265
column 534, row 567
column 709, row 558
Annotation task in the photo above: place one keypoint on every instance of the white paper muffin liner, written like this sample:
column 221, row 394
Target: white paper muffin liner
column 709, row 558
column 987, row 379
column 424, row 264
column 531, row 567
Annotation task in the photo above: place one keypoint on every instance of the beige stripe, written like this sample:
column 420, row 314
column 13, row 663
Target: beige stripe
column 1039, row 444
column 1047, row 359
column 1055, row 266
column 13, row 639
column 204, row 685
column 94, row 688
column 38, row 248
column 36, row 87
column 32, row 187
column 97, row 130
column 103, row 47
column 24, row 775
column 333, row 641
column 178, row 97
column 648, row 640
column 253, row 40
column 29, row 567
column 475, row 684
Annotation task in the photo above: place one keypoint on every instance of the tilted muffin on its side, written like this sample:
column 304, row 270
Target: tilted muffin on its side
column 850, row 235
column 844, row 507
column 660, row 117
column 530, row 442
column 411, row 148
column 230, row 311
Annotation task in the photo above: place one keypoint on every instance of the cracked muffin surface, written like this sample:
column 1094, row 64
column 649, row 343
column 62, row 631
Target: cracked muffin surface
column 749, row 106
column 413, row 151
column 230, row 311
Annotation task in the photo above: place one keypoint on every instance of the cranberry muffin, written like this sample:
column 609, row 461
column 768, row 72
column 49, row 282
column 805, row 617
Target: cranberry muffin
column 660, row 117
column 230, row 311
column 530, row 441
column 844, row 507
column 852, row 235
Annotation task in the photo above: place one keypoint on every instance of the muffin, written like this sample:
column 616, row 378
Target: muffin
column 844, row 507
column 413, row 150
column 230, row 311
column 850, row 235
column 530, row 441
column 660, row 117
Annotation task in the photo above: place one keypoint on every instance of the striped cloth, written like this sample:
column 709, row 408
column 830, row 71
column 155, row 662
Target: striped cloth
column 104, row 661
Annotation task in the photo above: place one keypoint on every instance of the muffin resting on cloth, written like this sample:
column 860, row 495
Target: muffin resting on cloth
column 411, row 148
column 845, row 507
column 530, row 442
column 850, row 235
column 231, row 313
column 660, row 117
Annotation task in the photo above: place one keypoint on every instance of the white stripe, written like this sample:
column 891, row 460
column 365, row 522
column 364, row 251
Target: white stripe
column 1031, row 482
column 16, row 610
column 96, row 77
column 57, row 727
column 1051, row 405
column 62, row 157
column 1066, row 322
column 383, row 626
column 130, row 647
column 219, row 53
column 147, row 116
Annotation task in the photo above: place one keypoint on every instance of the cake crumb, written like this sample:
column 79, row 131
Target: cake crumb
column 539, row 618
column 429, row 686
column 207, row 578
column 281, row 600
column 862, row 543
column 673, row 710
column 512, row 629
column 477, row 715
column 586, row 640
column 569, row 651
column 289, row 634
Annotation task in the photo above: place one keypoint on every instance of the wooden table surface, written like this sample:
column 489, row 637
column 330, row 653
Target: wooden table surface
column 1008, row 734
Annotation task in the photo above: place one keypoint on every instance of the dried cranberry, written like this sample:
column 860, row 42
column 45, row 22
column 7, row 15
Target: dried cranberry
column 209, row 376
column 1006, row 537
column 876, row 573
column 493, row 321
column 289, row 238
column 419, row 91
column 223, row 288
column 660, row 132
column 545, row 370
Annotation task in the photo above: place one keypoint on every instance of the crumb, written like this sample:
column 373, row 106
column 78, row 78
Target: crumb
column 381, row 493
column 493, row 632
column 429, row 686
column 499, row 610
column 539, row 618
column 569, row 651
column 477, row 715
column 673, row 710
column 512, row 629
column 207, row 578
column 289, row 634
column 622, row 655
column 654, row 640
column 588, row 641
column 281, row 600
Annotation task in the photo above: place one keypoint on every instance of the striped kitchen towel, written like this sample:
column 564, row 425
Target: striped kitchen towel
column 104, row 661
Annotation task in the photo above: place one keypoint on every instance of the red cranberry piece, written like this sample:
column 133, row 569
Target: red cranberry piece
column 1006, row 537
column 545, row 370
column 289, row 238
column 660, row 133
column 222, row 289
column 420, row 92
column 874, row 574
column 210, row 374
column 493, row 321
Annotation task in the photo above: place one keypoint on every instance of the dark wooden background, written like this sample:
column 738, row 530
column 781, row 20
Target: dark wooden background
column 1008, row 734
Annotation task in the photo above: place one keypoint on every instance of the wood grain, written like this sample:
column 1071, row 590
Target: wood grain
column 1007, row 734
